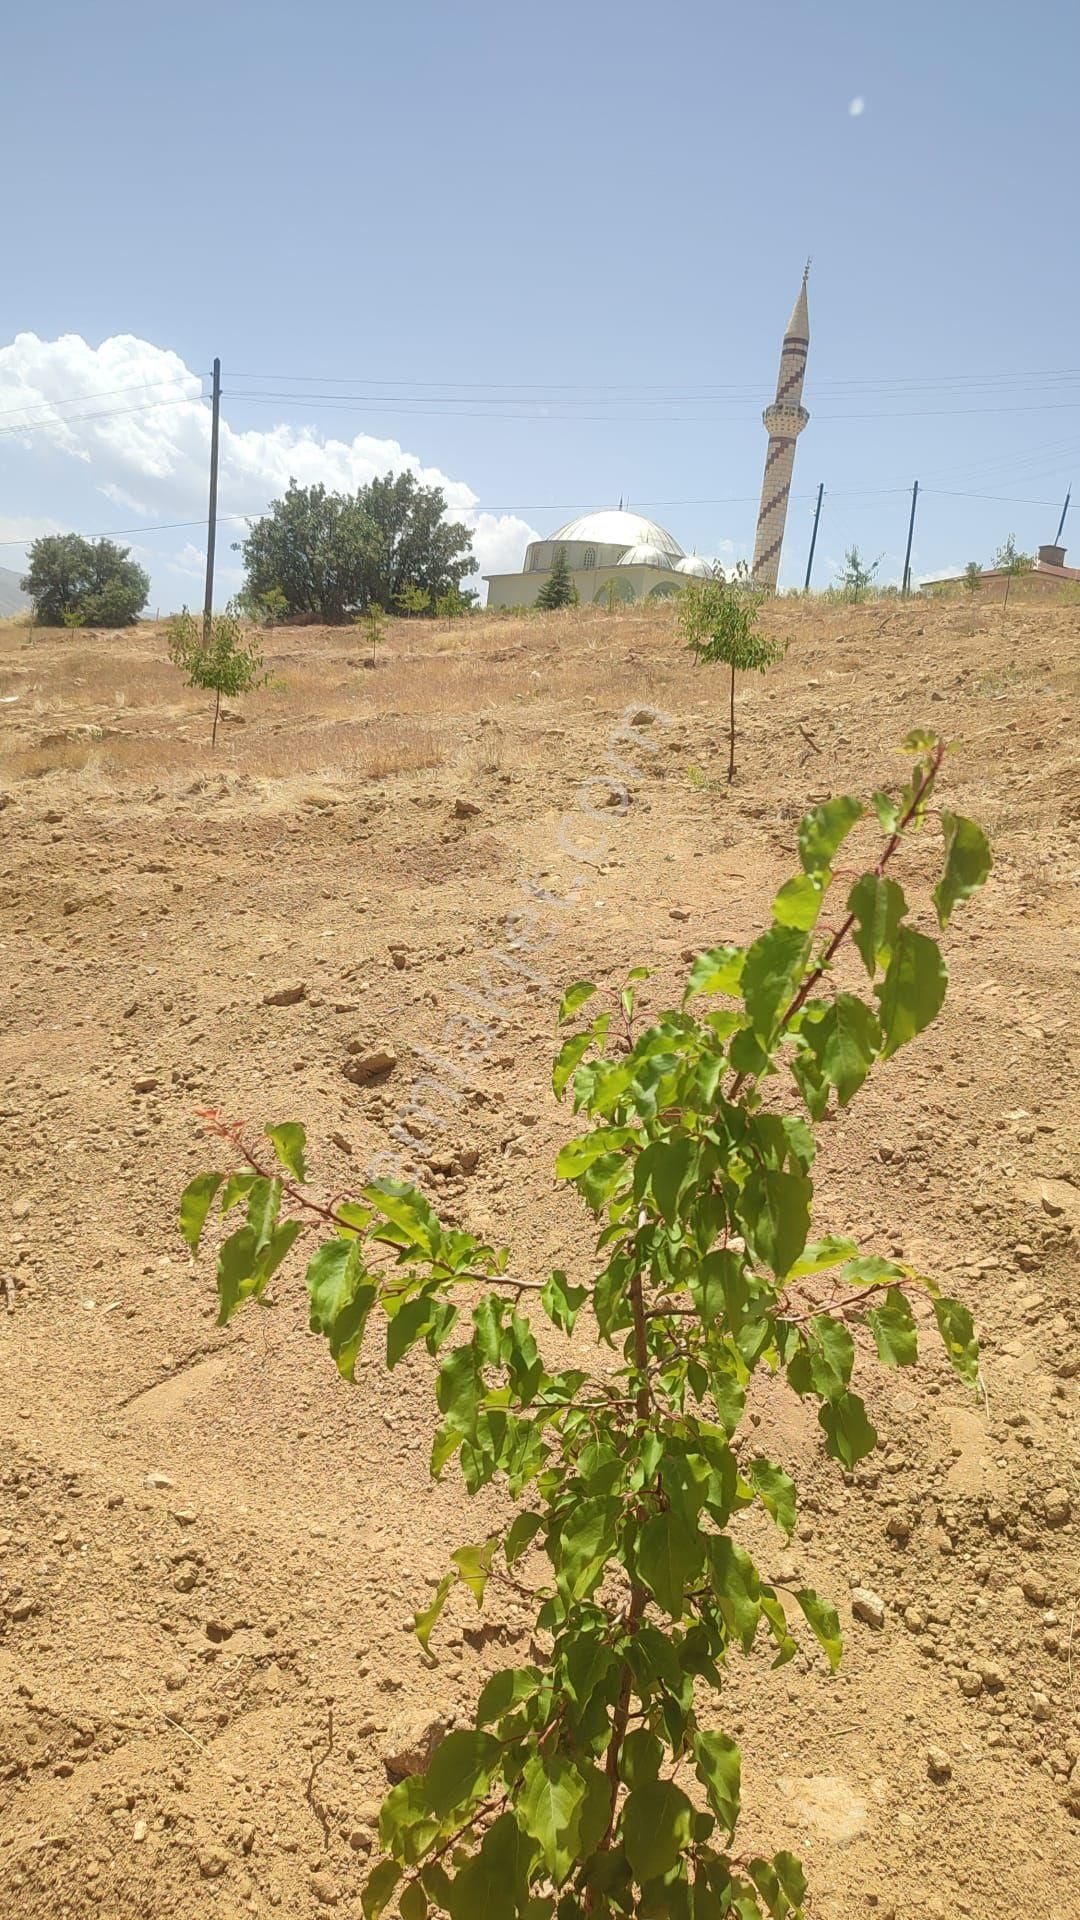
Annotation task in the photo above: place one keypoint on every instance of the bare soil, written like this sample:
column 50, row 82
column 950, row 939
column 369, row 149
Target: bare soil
column 210, row 1546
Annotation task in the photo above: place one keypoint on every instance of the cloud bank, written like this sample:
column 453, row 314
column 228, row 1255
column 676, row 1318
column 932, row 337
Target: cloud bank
column 132, row 416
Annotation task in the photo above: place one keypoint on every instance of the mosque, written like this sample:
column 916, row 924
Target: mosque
column 643, row 559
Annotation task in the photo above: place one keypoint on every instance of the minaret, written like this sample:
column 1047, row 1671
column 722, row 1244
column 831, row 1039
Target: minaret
column 784, row 420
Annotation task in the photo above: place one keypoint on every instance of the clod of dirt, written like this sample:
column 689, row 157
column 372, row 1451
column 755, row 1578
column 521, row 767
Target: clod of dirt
column 365, row 1066
column 287, row 995
column 868, row 1606
column 409, row 1746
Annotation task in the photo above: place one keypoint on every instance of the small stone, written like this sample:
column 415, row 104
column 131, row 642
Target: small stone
column 868, row 1606
column 20, row 1208
column 1040, row 1706
column 408, row 1747
column 991, row 1675
column 20, row 1609
column 213, row 1862
column 1033, row 1588
column 898, row 1528
column 186, row 1580
column 139, row 1830
column 360, row 1840
column 465, row 809
column 1057, row 1507
column 326, row 1889
column 159, row 1481
column 176, row 1678
column 970, row 1684
column 938, row 1764
column 914, row 1620
column 146, row 1083
column 373, row 1064
column 678, row 913
column 286, row 995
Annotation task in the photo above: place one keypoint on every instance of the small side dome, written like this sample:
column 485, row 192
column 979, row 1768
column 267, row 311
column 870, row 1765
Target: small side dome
column 646, row 555
column 693, row 563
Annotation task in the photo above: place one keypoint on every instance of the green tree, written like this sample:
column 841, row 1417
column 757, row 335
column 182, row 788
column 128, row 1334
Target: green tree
column 857, row 576
column 1012, row 564
column 412, row 600
column 330, row 554
column 558, row 589
column 973, row 575
column 718, row 619
column 626, row 1469
column 225, row 659
column 83, row 583
column 454, row 604
column 373, row 622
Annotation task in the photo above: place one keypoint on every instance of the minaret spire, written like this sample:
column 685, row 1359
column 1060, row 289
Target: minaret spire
column 784, row 421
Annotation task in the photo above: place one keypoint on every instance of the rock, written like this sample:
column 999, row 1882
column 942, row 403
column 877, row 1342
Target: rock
column 938, row 1764
column 970, row 1684
column 20, row 1609
column 326, row 1889
column 213, row 1861
column 139, row 1830
column 409, row 1746
column 176, row 1678
column 344, row 1146
column 644, row 717
column 20, row 1208
column 373, row 1064
column 286, row 995
column 991, row 1675
column 146, row 1083
column 1057, row 1507
column 898, row 1528
column 868, row 1606
column 360, row 1840
column 914, row 1619
column 1033, row 1588
column 159, row 1481
column 678, row 913
column 465, row 809
column 186, row 1580
column 1040, row 1706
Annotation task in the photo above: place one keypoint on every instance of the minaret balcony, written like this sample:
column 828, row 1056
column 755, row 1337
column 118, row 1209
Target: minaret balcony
column 784, row 422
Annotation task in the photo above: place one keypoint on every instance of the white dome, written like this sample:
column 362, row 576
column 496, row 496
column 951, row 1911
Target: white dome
column 617, row 527
column 646, row 554
column 693, row 563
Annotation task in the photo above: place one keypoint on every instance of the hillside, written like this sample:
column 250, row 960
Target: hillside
column 209, row 1542
column 12, row 597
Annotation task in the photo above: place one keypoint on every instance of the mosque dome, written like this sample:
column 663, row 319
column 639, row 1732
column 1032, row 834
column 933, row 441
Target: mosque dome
column 646, row 554
column 694, row 564
column 618, row 527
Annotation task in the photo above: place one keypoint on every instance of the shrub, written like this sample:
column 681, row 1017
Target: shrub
column 219, row 656
column 718, row 619
column 568, row 1796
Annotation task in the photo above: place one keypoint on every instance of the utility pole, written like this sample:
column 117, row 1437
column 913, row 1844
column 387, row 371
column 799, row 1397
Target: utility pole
column 813, row 537
column 906, row 588
column 1061, row 522
column 211, row 531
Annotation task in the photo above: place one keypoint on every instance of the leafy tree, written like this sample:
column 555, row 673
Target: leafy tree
column 1012, row 564
column 857, row 576
column 374, row 624
column 412, row 600
column 558, row 589
column 718, row 619
column 570, row 1795
column 84, row 583
column 223, row 658
column 331, row 554
column 452, row 604
column 268, row 609
column 973, row 575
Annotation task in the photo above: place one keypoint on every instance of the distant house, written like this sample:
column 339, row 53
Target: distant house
column 1048, row 574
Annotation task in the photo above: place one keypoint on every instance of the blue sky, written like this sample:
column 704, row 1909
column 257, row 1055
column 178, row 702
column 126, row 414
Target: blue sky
column 549, row 255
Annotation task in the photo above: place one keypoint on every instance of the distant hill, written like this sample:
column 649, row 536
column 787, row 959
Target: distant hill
column 12, row 597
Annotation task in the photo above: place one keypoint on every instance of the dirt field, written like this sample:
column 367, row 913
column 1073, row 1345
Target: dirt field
column 210, row 1546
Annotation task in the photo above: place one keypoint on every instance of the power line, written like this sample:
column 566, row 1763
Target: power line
column 108, row 413
column 103, row 393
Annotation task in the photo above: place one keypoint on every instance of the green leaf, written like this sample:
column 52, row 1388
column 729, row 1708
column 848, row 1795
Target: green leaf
column 912, row 990
column 957, row 1330
column 424, row 1620
column 824, row 1623
column 569, row 1056
column 718, row 1764
column 799, row 901
column 561, row 1302
column 407, row 1210
column 774, row 1211
column 774, row 967
column 849, row 1437
column 639, row 1761
column 236, row 1269
column 717, row 971
column 579, row 1154
column 195, row 1204
column 791, row 1877
column 879, row 906
column 736, row 1586
column 822, row 830
column 819, row 1254
column 574, row 998
column 493, row 1885
column 379, row 1887
column 412, row 1904
column 669, row 1555
column 288, row 1141
column 776, row 1491
column 586, row 1537
column 894, row 1330
column 920, row 741
column 887, row 811
column 548, row 1804
column 968, row 860
column 341, row 1297
column 504, row 1690
column 845, row 1042
column 522, row 1532
column 474, row 1566
column 657, row 1825
column 460, row 1769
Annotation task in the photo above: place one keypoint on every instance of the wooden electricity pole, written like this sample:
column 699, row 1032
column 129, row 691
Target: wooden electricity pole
column 906, row 588
column 211, row 531
column 813, row 537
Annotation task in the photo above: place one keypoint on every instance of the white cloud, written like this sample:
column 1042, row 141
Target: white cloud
column 134, row 413
column 22, row 528
column 857, row 106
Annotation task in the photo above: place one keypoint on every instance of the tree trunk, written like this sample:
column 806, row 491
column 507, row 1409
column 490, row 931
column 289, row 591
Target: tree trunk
column 217, row 710
column 731, row 732
column 1008, row 584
